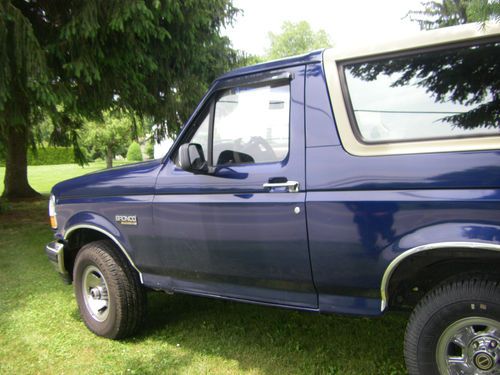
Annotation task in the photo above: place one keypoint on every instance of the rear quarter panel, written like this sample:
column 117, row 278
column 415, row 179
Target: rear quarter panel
column 364, row 211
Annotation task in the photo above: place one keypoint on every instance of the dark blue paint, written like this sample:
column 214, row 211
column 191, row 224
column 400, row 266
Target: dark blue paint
column 209, row 242
column 224, row 235
column 352, row 238
column 132, row 179
column 214, row 234
column 331, row 168
column 100, row 212
column 320, row 129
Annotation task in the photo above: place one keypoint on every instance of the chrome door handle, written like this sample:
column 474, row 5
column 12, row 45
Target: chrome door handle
column 291, row 186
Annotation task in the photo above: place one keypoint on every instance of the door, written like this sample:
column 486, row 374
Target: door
column 240, row 231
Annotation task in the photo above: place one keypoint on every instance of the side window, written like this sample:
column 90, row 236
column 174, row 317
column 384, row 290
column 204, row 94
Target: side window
column 428, row 95
column 199, row 136
column 251, row 125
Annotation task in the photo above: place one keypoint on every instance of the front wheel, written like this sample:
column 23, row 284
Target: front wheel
column 455, row 329
column 110, row 297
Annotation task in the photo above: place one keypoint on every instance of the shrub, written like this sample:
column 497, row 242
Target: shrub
column 48, row 156
column 51, row 156
column 134, row 152
column 150, row 150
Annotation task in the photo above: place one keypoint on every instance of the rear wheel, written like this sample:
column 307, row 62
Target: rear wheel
column 110, row 297
column 455, row 329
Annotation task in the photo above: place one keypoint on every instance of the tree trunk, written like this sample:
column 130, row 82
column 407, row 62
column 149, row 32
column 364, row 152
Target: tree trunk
column 109, row 158
column 16, row 184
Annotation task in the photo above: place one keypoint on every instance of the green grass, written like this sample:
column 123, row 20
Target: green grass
column 43, row 177
column 41, row 331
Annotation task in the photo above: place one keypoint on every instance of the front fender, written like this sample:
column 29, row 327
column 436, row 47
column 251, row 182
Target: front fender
column 92, row 219
column 96, row 222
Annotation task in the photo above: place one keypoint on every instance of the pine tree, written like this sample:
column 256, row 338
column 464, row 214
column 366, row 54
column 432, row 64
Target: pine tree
column 72, row 60
column 442, row 13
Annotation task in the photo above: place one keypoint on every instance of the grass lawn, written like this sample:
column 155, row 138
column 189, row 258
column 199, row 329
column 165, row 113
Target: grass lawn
column 41, row 331
column 43, row 177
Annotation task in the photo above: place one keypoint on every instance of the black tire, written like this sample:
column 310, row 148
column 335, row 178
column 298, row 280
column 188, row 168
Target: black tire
column 470, row 302
column 101, row 262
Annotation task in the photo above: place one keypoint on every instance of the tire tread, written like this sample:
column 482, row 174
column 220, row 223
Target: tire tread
column 439, row 298
column 130, row 294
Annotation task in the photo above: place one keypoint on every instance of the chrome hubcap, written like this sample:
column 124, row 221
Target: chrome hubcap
column 95, row 293
column 470, row 346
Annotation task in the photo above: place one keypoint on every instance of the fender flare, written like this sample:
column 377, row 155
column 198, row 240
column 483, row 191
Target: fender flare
column 68, row 231
column 391, row 268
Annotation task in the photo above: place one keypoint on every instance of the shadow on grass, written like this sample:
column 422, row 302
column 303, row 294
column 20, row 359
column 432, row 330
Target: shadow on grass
column 26, row 212
column 181, row 334
column 272, row 340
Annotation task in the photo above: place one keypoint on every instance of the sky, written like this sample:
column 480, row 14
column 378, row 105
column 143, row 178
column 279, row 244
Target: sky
column 346, row 21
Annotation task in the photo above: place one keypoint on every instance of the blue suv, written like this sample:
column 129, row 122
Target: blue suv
column 351, row 181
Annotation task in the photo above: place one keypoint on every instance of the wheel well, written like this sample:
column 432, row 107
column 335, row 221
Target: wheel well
column 418, row 274
column 75, row 242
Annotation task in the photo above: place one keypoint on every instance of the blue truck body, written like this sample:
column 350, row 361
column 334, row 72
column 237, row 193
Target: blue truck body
column 224, row 235
column 342, row 181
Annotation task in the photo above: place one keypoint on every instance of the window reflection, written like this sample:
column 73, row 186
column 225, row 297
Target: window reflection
column 201, row 135
column 251, row 125
column 429, row 95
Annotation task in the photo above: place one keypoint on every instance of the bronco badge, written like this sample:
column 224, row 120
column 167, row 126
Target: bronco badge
column 126, row 219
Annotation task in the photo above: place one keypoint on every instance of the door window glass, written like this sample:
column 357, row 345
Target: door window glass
column 251, row 125
column 201, row 135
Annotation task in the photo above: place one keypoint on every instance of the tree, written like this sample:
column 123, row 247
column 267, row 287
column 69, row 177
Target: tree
column 436, row 14
column 134, row 152
column 150, row 148
column 109, row 137
column 70, row 60
column 296, row 38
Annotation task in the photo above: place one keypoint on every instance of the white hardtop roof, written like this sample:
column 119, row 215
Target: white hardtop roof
column 421, row 39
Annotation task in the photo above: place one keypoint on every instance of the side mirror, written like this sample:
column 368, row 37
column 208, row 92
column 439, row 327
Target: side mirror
column 192, row 158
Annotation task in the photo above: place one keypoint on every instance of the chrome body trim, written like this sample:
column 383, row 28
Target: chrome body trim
column 55, row 253
column 113, row 238
column 432, row 246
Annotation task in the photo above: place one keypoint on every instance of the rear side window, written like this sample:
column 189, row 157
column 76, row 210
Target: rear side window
column 428, row 95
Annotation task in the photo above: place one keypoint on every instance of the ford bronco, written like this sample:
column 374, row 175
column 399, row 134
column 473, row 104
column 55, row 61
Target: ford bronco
column 351, row 181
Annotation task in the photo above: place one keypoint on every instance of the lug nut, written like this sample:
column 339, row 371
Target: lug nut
column 493, row 344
